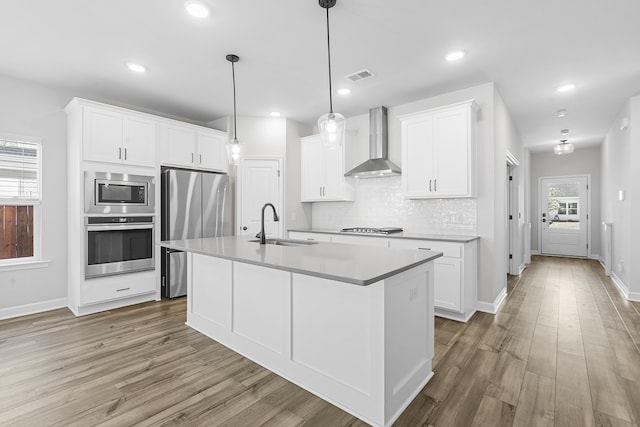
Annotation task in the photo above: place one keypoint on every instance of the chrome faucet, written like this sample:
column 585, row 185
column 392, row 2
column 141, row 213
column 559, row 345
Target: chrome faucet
column 263, row 238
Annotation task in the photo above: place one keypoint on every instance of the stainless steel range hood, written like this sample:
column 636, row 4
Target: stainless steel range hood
column 378, row 165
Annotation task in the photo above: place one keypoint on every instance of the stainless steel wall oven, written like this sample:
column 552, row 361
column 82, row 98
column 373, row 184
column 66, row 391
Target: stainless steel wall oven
column 118, row 245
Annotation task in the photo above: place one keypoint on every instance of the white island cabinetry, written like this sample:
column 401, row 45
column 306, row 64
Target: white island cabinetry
column 356, row 329
column 455, row 273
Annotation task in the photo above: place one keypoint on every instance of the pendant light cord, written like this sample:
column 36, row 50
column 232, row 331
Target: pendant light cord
column 329, row 56
column 233, row 74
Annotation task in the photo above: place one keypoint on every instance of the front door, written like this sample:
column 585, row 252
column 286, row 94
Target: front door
column 259, row 183
column 564, row 205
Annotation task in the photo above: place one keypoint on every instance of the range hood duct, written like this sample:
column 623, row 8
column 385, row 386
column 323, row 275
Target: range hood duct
column 378, row 165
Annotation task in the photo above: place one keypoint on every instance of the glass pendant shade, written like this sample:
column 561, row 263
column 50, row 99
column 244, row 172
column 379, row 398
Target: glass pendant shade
column 235, row 151
column 332, row 129
column 563, row 148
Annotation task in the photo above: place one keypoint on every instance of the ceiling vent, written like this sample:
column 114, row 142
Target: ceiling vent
column 360, row 75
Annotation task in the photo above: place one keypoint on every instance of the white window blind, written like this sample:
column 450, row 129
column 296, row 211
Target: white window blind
column 19, row 171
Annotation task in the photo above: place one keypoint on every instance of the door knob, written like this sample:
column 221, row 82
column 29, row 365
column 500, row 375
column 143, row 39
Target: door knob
column 244, row 228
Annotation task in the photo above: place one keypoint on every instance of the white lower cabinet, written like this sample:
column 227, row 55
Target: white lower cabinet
column 455, row 273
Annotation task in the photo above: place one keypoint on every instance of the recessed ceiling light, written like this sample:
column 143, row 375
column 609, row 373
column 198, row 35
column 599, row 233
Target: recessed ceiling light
column 454, row 55
column 197, row 9
column 566, row 88
column 564, row 132
column 274, row 114
column 136, row 67
column 344, row 91
column 562, row 113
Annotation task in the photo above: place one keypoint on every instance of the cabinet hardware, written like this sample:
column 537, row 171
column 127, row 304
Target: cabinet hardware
column 429, row 185
column 191, row 157
column 425, row 249
column 122, row 289
column 244, row 228
column 200, row 158
column 125, row 154
column 435, row 185
column 119, row 153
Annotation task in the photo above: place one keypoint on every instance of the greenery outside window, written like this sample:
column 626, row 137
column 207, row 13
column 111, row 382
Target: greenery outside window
column 20, row 198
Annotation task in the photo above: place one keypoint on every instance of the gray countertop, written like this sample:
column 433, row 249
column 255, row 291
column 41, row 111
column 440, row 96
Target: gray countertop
column 359, row 265
column 403, row 235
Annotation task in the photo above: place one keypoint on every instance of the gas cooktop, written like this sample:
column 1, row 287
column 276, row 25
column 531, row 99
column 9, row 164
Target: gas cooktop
column 369, row 230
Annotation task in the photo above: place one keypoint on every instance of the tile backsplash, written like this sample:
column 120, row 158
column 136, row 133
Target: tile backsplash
column 380, row 203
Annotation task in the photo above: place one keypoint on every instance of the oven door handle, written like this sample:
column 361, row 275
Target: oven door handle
column 113, row 227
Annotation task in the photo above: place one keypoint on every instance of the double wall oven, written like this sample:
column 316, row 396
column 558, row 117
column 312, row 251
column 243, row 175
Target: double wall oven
column 121, row 238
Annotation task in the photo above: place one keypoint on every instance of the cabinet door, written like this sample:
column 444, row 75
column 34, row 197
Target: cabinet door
column 417, row 156
column 139, row 147
column 334, row 174
column 451, row 152
column 318, row 237
column 360, row 240
column 212, row 152
column 177, row 145
column 447, row 286
column 102, row 135
column 312, row 168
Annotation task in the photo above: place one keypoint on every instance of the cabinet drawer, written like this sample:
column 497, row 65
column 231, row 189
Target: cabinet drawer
column 360, row 240
column 448, row 249
column 116, row 287
column 319, row 237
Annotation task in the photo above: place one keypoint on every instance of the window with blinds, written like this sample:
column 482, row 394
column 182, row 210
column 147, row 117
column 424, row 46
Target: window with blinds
column 20, row 171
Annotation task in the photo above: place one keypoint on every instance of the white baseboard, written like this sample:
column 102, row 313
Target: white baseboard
column 624, row 290
column 493, row 307
column 36, row 307
column 521, row 269
column 534, row 252
column 594, row 256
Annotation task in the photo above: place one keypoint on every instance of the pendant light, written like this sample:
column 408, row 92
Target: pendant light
column 235, row 149
column 331, row 125
column 563, row 148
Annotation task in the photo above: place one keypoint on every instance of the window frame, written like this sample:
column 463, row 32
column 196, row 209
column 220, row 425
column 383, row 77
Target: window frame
column 35, row 260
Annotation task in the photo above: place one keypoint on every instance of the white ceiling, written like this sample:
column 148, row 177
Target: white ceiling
column 527, row 48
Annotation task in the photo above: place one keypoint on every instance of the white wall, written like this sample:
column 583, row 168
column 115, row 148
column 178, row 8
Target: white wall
column 620, row 153
column 32, row 110
column 583, row 161
column 489, row 204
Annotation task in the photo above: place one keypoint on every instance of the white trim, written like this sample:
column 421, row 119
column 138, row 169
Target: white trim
column 620, row 285
column 522, row 267
column 26, row 265
column 493, row 308
column 36, row 307
column 594, row 256
column 535, row 252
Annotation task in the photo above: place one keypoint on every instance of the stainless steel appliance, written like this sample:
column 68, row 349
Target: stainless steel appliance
column 370, row 230
column 118, row 244
column 115, row 193
column 194, row 205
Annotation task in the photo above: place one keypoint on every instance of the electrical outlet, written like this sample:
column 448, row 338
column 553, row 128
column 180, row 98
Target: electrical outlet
column 620, row 266
column 413, row 294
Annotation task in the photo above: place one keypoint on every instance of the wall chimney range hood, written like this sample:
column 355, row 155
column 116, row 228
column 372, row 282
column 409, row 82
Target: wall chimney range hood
column 378, row 165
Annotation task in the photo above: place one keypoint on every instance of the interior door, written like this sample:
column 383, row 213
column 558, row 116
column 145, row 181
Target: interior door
column 564, row 206
column 259, row 183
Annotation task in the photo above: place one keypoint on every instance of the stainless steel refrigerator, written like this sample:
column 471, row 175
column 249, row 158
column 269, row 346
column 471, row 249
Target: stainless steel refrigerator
column 194, row 204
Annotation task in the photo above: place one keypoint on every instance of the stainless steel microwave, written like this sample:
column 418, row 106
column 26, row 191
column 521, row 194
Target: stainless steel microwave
column 116, row 193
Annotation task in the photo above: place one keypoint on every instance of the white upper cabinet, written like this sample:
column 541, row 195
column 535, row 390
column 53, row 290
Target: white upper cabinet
column 192, row 146
column 439, row 152
column 323, row 172
column 109, row 135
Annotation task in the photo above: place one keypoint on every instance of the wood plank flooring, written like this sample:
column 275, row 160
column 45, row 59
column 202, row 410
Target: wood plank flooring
column 563, row 351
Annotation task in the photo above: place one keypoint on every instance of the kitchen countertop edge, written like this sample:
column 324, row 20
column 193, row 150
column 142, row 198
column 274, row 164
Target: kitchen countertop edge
column 401, row 235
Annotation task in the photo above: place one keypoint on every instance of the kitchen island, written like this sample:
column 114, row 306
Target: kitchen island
column 351, row 324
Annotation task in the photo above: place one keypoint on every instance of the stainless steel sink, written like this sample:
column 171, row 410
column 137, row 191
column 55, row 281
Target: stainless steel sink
column 286, row 242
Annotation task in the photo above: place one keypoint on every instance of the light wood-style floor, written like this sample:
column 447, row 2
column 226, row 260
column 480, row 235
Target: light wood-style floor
column 563, row 351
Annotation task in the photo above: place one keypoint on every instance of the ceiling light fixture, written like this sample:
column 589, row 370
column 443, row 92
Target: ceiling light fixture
column 344, row 91
column 331, row 125
column 566, row 88
column 562, row 113
column 454, row 55
column 196, row 9
column 274, row 114
column 564, row 132
column 563, row 148
column 234, row 147
column 136, row 67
